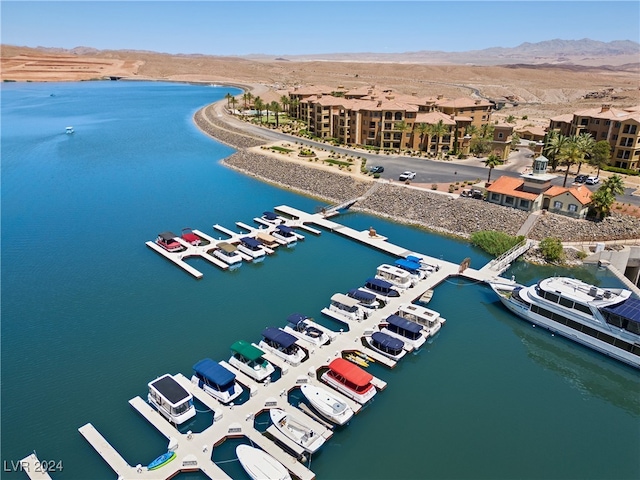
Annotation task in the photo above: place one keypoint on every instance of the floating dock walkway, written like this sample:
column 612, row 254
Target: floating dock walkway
column 194, row 450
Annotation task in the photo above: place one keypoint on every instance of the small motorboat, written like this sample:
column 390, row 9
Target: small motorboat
column 409, row 332
column 259, row 465
column 306, row 329
column 327, row 404
column 344, row 309
column 227, row 252
column 249, row 360
column 272, row 218
column 190, row 237
column 172, row 401
column 285, row 235
column 387, row 345
column 367, row 299
column 350, row 380
column 167, row 240
column 69, row 130
column 296, row 430
column 252, row 247
column 283, row 345
column 161, row 461
column 216, row 380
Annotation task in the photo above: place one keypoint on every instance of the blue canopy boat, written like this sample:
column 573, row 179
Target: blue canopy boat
column 252, row 247
column 366, row 299
column 216, row 380
column 285, row 234
column 402, row 329
column 304, row 328
column 381, row 287
column 282, row 344
column 387, row 345
column 414, row 268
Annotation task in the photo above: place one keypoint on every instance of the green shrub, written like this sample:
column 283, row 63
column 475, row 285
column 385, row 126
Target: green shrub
column 625, row 171
column 434, row 186
column 551, row 249
column 494, row 242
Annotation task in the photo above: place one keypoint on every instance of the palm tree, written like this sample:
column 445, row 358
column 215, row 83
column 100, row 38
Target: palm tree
column 553, row 146
column 267, row 107
column 250, row 97
column 293, row 105
column 245, row 97
column 284, row 100
column 422, row 128
column 586, row 143
column 234, row 102
column 438, row 130
column 614, row 184
column 569, row 154
column 603, row 198
column 258, row 105
column 401, row 127
column 228, row 96
column 492, row 161
column 275, row 108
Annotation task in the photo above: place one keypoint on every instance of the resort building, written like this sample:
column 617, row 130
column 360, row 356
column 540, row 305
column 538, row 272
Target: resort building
column 369, row 116
column 533, row 191
column 620, row 127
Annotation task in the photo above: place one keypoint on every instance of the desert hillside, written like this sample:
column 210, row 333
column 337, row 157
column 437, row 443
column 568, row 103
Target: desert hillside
column 539, row 90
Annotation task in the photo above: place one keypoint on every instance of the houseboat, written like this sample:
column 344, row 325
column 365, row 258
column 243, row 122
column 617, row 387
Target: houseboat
column 249, row 360
column 365, row 299
column 227, row 252
column 285, row 234
column 167, row 240
column 272, row 218
column 398, row 277
column 283, row 345
column 383, row 289
column 344, row 309
column 409, row 332
column 387, row 345
column 297, row 430
column 259, row 465
column 267, row 240
column 306, row 329
column 430, row 320
column 604, row 319
column 350, row 380
column 252, row 247
column 327, row 404
column 216, row 380
column 172, row 401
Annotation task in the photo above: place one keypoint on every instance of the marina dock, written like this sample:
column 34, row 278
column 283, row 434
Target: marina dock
column 193, row 450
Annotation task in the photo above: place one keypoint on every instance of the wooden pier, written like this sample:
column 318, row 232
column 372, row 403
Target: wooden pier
column 193, row 451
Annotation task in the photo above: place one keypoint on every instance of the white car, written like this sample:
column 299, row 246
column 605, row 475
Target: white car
column 592, row 180
column 407, row 176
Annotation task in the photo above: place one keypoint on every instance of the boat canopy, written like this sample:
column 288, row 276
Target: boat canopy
column 170, row 389
column 284, row 339
column 409, row 265
column 213, row 372
column 250, row 242
column 343, row 299
column 361, row 295
column 270, row 215
column 227, row 247
column 167, row 236
column 284, row 229
column 350, row 372
column 404, row 324
column 413, row 258
column 387, row 342
column 265, row 237
column 296, row 318
column 629, row 310
column 247, row 350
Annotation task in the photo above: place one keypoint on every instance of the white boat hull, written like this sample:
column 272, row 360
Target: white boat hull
column 259, row 465
column 258, row 373
column 295, row 429
column 255, row 254
column 176, row 419
column 230, row 260
column 396, row 357
column 293, row 360
column 408, row 342
column 327, row 404
column 222, row 397
column 340, row 387
column 318, row 341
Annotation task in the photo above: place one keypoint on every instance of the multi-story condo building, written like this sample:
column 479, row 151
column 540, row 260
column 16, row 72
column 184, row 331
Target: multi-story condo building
column 620, row 127
column 382, row 118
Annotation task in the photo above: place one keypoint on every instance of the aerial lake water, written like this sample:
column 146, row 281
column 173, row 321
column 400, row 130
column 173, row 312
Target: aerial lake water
column 90, row 315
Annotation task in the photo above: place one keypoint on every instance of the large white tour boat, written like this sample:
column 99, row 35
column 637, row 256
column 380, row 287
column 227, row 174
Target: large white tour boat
column 605, row 319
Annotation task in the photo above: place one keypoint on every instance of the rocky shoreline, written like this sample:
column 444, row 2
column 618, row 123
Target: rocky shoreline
column 441, row 213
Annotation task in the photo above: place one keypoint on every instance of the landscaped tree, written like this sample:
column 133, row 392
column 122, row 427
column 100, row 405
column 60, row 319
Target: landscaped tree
column 293, row 105
column 245, row 98
column 492, row 161
column 570, row 154
column 267, row 107
column 438, row 130
column 515, row 140
column 552, row 250
column 422, row 129
column 600, row 154
column 284, row 101
column 401, row 127
column 258, row 105
column 553, row 146
column 479, row 146
column 275, row 108
column 603, row 198
column 511, row 119
column 586, row 143
column 228, row 96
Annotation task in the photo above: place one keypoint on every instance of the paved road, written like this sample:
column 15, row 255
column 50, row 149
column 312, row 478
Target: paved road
column 427, row 171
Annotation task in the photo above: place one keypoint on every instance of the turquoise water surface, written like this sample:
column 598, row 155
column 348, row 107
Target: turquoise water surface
column 90, row 314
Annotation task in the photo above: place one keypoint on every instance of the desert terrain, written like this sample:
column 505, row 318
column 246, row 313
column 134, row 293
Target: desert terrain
column 536, row 90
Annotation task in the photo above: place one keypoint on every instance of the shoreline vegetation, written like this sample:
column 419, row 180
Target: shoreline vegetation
column 407, row 204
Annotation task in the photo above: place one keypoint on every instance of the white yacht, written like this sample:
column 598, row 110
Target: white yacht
column 398, row 277
column 285, row 235
column 252, row 247
column 216, row 380
column 171, row 400
column 430, row 320
column 327, row 404
column 344, row 309
column 227, row 252
column 605, row 319
column 249, row 360
column 298, row 431
column 259, row 465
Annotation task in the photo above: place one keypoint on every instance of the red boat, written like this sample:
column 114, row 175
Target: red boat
column 167, row 240
column 190, row 237
column 350, row 379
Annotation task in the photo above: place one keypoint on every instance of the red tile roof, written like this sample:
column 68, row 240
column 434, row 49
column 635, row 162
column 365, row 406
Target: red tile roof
column 511, row 186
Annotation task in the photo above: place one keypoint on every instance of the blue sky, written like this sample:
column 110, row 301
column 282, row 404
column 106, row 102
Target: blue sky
column 280, row 28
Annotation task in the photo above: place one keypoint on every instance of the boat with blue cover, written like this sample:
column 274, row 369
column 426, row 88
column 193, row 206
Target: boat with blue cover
column 381, row 288
column 216, row 380
column 304, row 328
column 252, row 247
column 414, row 268
column 272, row 217
column 161, row 461
column 367, row 299
column 285, row 234
column 387, row 345
column 283, row 345
column 409, row 332
column 249, row 360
